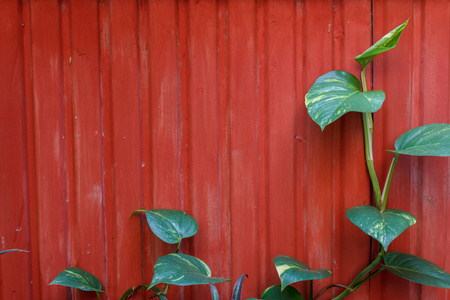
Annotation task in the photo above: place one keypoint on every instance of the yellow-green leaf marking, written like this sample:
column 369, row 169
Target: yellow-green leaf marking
column 339, row 92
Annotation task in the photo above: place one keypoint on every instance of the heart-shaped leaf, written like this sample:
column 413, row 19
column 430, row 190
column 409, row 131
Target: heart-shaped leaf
column 416, row 269
column 383, row 226
column 427, row 140
column 386, row 43
column 182, row 269
column 337, row 93
column 291, row 270
column 170, row 225
column 237, row 290
column 79, row 279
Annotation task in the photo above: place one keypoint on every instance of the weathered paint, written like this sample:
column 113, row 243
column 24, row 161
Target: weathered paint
column 112, row 106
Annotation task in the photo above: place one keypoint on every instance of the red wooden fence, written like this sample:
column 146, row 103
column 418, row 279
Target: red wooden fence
column 111, row 106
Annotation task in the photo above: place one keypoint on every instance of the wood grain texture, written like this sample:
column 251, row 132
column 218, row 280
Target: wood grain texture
column 111, row 106
column 14, row 209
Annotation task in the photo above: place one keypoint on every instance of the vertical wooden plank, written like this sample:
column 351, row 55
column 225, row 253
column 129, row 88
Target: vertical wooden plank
column 163, row 108
column 280, row 95
column 261, row 75
column 149, row 257
column 316, row 160
column 126, row 139
column 66, row 82
column 204, row 133
column 416, row 173
column 108, row 177
column 300, row 121
column 30, row 149
column 244, row 145
column 49, row 135
column 224, row 151
column 83, row 60
column 15, row 271
column 163, row 116
column 351, row 31
column 183, row 102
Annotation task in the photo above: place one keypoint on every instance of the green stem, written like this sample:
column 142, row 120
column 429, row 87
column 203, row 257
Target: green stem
column 387, row 184
column 367, row 278
column 166, row 288
column 329, row 287
column 178, row 246
column 363, row 79
column 368, row 146
column 98, row 296
column 359, row 279
column 348, row 291
column 369, row 268
column 310, row 290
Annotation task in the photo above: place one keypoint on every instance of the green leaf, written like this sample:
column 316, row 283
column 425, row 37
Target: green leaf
column 182, row 269
column 339, row 92
column 79, row 279
column 170, row 225
column 237, row 290
column 214, row 292
column 416, row 269
column 427, row 140
column 383, row 226
column 292, row 270
column 275, row 293
column 12, row 250
column 387, row 42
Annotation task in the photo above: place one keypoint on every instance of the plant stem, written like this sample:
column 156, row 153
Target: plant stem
column 358, row 281
column 387, row 184
column 348, row 291
column 369, row 268
column 178, row 246
column 310, row 290
column 367, row 278
column 166, row 288
column 368, row 146
column 329, row 287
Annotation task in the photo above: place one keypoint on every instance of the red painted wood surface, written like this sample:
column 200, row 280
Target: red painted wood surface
column 111, row 106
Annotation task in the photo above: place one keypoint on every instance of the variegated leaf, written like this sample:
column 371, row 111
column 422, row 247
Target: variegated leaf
column 182, row 269
column 337, row 93
column 79, row 279
column 427, row 140
column 386, row 43
column 291, row 270
column 383, row 226
column 170, row 225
